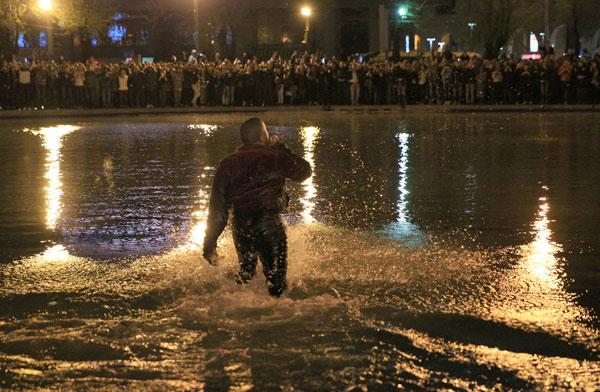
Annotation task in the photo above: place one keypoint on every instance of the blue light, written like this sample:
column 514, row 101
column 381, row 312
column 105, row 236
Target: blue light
column 94, row 41
column 144, row 37
column 116, row 33
column 21, row 41
column 43, row 39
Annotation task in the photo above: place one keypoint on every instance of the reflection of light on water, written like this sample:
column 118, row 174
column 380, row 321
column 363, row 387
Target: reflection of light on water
column 52, row 141
column 199, row 227
column 470, row 188
column 536, row 284
column 402, row 175
column 55, row 253
column 240, row 376
column 541, row 259
column 199, row 218
column 309, row 139
column 207, row 129
column 403, row 229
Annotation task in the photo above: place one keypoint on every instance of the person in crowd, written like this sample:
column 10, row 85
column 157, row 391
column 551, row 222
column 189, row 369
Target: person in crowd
column 251, row 182
column 24, row 86
column 177, row 85
column 595, row 71
column 79, row 85
column 123, row 83
column 164, row 86
column 106, row 86
column 566, row 74
column 354, row 84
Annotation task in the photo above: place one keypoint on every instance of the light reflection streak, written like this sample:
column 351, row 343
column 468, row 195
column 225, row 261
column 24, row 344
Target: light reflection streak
column 52, row 140
column 470, row 188
column 200, row 216
column 197, row 232
column 206, row 129
column 310, row 136
column 402, row 173
column 541, row 253
column 55, row 253
column 536, row 285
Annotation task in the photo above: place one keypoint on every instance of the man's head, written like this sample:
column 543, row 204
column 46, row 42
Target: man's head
column 254, row 131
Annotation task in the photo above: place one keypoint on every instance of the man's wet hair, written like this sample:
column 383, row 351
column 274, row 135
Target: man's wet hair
column 251, row 131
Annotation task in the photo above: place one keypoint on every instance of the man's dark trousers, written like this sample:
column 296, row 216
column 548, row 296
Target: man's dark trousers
column 261, row 234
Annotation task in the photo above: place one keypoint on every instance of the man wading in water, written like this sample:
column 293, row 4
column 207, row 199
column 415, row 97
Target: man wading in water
column 251, row 182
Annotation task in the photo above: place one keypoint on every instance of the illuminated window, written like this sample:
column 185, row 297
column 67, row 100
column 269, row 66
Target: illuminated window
column 534, row 45
column 22, row 42
column 116, row 33
column 43, row 39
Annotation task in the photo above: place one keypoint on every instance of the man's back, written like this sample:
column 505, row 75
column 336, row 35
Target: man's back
column 255, row 177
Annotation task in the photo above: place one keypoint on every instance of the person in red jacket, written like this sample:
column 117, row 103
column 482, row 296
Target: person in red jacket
column 251, row 182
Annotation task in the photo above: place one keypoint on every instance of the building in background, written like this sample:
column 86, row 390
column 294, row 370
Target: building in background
column 162, row 29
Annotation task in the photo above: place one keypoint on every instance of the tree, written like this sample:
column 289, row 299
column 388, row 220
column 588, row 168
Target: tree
column 84, row 17
column 494, row 22
column 578, row 15
column 13, row 17
column 161, row 18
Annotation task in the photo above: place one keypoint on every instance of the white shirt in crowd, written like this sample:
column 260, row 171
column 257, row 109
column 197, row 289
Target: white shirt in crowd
column 123, row 82
column 24, row 76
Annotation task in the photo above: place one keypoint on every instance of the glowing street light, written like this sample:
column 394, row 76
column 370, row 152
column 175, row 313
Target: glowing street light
column 306, row 11
column 403, row 11
column 45, row 5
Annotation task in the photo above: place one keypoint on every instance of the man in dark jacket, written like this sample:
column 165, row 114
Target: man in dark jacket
column 251, row 182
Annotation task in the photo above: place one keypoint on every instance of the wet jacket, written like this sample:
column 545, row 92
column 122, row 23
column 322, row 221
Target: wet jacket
column 251, row 181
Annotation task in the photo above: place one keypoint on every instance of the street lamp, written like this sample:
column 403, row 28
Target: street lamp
column 306, row 11
column 46, row 7
column 196, row 27
column 403, row 11
column 472, row 26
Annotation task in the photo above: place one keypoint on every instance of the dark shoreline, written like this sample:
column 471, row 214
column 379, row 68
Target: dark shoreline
column 64, row 113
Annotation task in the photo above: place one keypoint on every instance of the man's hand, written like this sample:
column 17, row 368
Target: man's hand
column 277, row 142
column 211, row 256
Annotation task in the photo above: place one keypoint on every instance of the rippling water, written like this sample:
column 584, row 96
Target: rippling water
column 441, row 251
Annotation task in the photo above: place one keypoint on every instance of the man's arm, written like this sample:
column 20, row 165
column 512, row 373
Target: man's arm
column 217, row 214
column 292, row 166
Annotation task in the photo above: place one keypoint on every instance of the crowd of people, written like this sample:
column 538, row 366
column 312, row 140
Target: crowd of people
column 301, row 79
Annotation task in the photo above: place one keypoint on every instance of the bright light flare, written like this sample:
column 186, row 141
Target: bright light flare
column 403, row 11
column 45, row 5
column 306, row 11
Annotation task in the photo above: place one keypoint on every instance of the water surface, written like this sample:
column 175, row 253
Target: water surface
column 426, row 251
